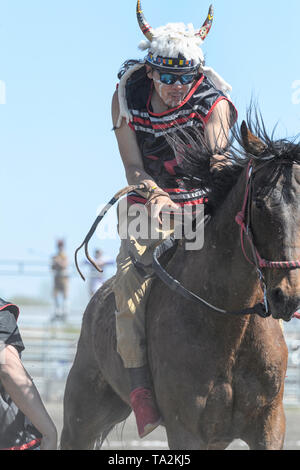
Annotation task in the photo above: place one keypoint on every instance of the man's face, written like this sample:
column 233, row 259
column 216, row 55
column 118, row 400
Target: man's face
column 172, row 95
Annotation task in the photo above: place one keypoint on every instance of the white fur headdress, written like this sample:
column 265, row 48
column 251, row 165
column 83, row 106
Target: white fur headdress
column 173, row 41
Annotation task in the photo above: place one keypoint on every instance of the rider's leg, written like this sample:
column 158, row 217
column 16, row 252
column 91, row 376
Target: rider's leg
column 131, row 291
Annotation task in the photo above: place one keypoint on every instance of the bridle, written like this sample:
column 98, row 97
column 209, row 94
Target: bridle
column 243, row 219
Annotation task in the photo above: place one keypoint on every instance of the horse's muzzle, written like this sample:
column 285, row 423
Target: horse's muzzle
column 282, row 306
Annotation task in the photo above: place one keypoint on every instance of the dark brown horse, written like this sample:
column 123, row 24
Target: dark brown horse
column 217, row 376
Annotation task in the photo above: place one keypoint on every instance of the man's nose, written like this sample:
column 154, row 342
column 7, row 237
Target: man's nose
column 178, row 84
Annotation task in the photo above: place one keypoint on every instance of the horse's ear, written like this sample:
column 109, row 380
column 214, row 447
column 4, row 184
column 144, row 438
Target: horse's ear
column 251, row 143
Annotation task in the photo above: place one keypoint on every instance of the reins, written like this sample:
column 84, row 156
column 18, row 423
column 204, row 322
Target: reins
column 262, row 308
column 173, row 284
column 243, row 219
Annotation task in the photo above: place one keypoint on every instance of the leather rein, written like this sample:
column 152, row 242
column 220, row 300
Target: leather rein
column 243, row 219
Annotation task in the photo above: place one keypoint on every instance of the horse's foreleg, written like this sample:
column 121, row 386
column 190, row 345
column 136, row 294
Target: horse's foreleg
column 179, row 438
column 268, row 431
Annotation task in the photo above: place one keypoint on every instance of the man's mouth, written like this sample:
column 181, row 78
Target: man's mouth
column 176, row 96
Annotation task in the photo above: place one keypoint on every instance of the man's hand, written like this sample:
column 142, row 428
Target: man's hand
column 156, row 204
column 218, row 162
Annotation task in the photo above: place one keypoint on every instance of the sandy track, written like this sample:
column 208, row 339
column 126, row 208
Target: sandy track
column 125, row 437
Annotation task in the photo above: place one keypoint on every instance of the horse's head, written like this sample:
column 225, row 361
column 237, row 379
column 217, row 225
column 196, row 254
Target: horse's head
column 273, row 212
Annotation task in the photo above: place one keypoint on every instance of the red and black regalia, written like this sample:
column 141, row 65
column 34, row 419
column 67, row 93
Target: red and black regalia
column 164, row 164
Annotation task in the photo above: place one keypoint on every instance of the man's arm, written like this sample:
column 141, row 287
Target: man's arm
column 133, row 162
column 24, row 394
column 217, row 132
column 129, row 150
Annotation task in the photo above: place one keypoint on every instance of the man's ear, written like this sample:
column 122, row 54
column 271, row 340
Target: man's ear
column 251, row 143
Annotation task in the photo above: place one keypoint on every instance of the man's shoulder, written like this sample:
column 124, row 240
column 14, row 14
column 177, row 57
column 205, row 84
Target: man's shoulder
column 3, row 303
column 207, row 97
column 9, row 332
column 10, row 307
column 205, row 89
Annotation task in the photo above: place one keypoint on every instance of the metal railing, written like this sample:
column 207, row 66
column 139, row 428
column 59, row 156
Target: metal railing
column 292, row 380
column 29, row 268
column 48, row 357
column 50, row 352
column 40, row 268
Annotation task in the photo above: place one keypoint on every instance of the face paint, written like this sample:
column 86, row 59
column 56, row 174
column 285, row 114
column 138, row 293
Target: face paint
column 171, row 95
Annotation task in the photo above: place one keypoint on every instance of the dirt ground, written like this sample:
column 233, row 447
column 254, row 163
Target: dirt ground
column 125, row 437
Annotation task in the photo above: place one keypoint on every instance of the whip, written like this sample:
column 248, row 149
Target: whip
column 117, row 196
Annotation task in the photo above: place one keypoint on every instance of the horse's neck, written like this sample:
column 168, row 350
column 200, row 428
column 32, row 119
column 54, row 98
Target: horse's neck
column 219, row 271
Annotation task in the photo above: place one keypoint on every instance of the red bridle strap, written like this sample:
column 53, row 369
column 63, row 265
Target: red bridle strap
column 246, row 230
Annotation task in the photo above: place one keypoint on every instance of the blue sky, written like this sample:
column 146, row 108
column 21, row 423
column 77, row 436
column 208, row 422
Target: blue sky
column 59, row 60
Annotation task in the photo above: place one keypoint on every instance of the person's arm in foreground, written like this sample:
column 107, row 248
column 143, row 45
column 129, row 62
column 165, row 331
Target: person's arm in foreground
column 19, row 386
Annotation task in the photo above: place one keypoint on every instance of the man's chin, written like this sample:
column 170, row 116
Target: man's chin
column 174, row 102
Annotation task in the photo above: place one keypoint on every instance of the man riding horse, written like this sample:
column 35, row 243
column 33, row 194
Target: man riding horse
column 169, row 92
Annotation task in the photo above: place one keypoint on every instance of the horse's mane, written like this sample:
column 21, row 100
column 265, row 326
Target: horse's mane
column 219, row 182
column 276, row 151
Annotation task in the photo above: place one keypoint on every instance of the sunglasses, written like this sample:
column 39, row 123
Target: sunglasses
column 171, row 78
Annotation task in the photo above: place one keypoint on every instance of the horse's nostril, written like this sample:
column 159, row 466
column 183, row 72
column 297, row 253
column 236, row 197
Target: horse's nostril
column 282, row 304
column 277, row 295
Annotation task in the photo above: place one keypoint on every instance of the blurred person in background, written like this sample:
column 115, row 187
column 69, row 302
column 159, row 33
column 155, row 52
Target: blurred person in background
column 59, row 266
column 24, row 421
column 96, row 279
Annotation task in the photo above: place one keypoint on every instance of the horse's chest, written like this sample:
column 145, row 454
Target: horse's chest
column 243, row 390
column 256, row 389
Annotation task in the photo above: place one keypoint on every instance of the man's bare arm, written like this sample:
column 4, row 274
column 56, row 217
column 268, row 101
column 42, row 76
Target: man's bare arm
column 129, row 150
column 24, row 394
column 217, row 132
column 133, row 162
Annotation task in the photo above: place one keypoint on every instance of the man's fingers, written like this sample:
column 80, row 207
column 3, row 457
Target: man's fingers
column 157, row 209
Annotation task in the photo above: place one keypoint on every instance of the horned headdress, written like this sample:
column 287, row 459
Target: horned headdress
column 173, row 46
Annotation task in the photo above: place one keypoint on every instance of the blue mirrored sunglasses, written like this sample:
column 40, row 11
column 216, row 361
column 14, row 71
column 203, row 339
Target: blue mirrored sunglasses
column 171, row 78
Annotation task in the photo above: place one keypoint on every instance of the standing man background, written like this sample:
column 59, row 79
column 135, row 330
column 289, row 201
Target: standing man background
column 59, row 266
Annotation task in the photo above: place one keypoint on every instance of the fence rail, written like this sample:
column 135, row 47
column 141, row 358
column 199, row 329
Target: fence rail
column 29, row 268
column 48, row 357
column 37, row 268
column 50, row 352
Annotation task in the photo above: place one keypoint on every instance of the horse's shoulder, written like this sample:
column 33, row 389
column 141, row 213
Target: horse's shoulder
column 265, row 344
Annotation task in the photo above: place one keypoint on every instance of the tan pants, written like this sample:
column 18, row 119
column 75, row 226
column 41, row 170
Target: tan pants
column 131, row 292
